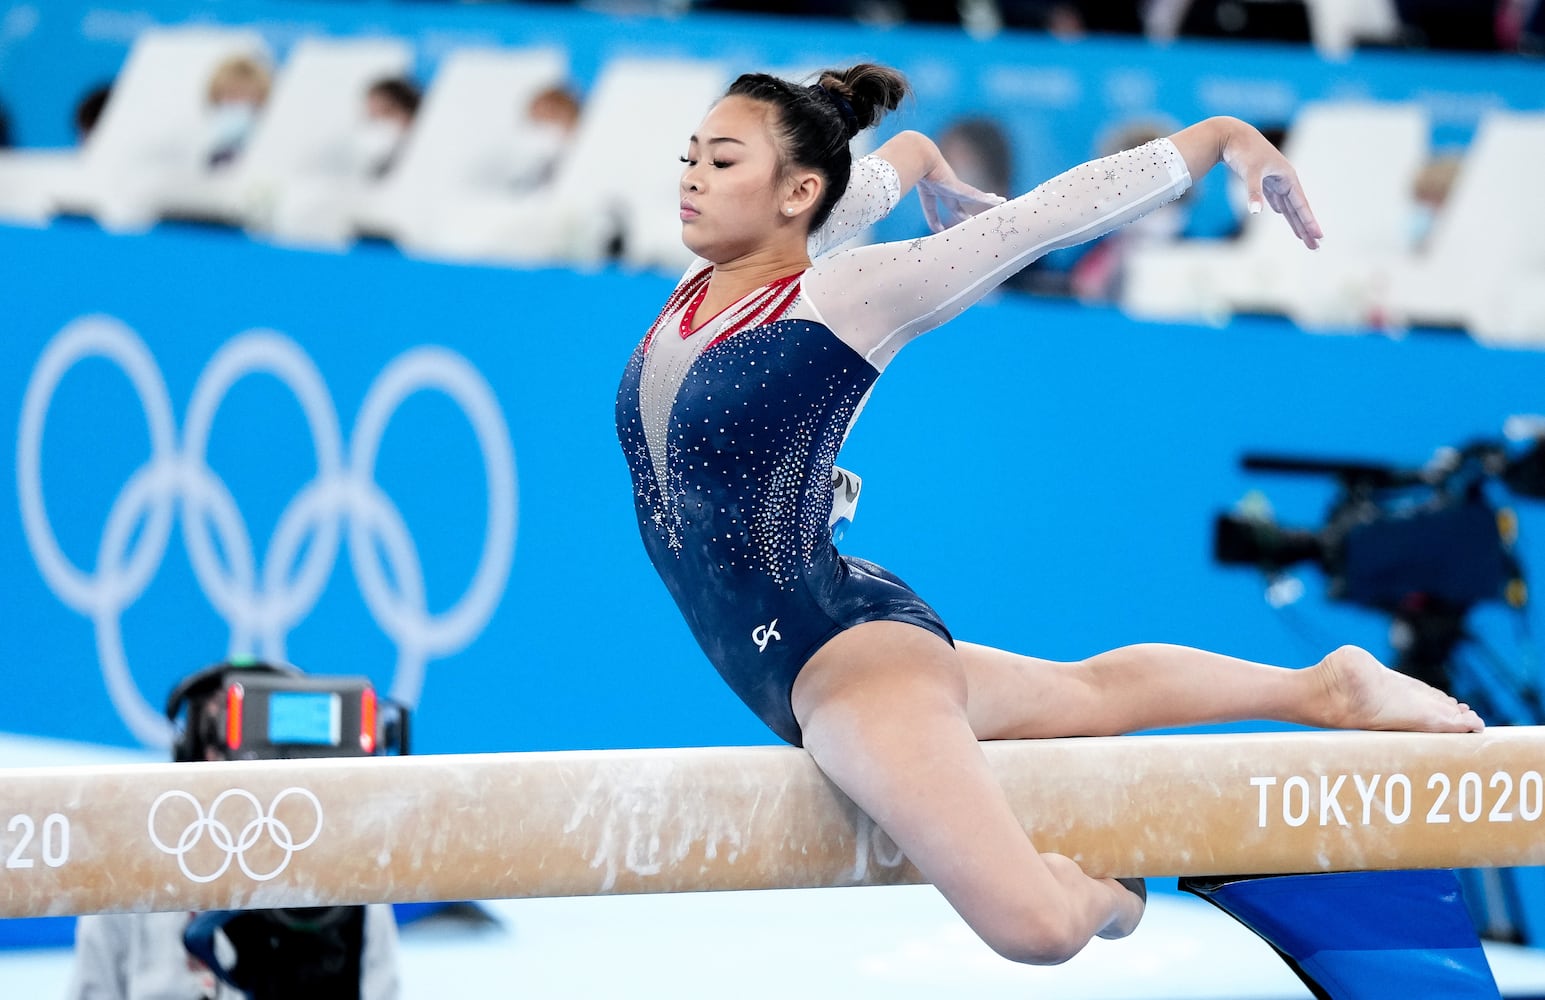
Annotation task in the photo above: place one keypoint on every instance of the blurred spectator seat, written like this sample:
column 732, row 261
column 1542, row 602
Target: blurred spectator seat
column 1357, row 162
column 462, row 146
column 147, row 143
column 646, row 202
column 29, row 183
column 1484, row 264
column 1334, row 26
column 1339, row 26
column 301, row 166
column 1274, row 20
column 617, row 183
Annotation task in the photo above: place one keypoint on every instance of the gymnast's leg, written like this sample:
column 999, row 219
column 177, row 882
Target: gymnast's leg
column 883, row 712
column 1154, row 685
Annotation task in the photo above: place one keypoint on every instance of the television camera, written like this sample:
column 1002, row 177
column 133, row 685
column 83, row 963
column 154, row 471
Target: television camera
column 1423, row 545
column 253, row 710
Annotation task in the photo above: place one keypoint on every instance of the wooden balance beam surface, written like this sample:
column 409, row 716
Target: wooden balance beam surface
column 336, row 831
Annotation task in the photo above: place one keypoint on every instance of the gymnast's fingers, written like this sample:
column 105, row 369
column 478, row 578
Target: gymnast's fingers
column 1286, row 195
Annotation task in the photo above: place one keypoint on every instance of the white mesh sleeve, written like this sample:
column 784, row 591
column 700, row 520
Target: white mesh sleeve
column 877, row 298
column 873, row 191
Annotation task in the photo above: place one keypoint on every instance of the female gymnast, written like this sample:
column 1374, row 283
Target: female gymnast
column 731, row 412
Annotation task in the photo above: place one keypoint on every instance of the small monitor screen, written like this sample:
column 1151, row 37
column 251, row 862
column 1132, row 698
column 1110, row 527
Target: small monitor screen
column 304, row 717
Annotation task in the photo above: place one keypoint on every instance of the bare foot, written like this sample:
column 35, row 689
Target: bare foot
column 1362, row 693
column 1134, row 893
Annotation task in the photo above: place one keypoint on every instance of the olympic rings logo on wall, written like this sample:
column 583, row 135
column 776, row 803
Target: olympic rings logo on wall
column 234, row 845
column 258, row 595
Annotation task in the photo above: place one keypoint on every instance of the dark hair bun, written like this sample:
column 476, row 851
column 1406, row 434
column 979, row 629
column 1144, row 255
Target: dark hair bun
column 814, row 124
column 869, row 89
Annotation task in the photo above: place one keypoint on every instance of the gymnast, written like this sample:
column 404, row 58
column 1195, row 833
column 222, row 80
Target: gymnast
column 730, row 414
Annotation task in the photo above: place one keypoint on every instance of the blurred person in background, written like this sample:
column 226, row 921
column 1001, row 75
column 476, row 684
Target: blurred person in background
column 733, row 407
column 5, row 128
column 1531, row 34
column 390, row 106
column 978, row 149
column 1429, row 192
column 1262, row 20
column 1072, row 18
column 337, row 952
column 235, row 96
column 88, row 110
column 527, row 157
column 551, row 119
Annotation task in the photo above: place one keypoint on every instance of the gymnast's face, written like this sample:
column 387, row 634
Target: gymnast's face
column 734, row 190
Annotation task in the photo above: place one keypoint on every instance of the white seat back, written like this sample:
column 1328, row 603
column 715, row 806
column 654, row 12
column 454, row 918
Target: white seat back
column 624, row 165
column 1495, row 214
column 156, row 117
column 475, row 102
column 316, row 106
column 1339, row 25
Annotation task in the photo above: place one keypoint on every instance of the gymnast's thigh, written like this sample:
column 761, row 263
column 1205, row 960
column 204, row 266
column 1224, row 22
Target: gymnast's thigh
column 884, row 716
column 871, row 674
column 1016, row 697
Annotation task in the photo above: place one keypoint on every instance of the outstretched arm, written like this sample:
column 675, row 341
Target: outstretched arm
column 1269, row 178
column 877, row 298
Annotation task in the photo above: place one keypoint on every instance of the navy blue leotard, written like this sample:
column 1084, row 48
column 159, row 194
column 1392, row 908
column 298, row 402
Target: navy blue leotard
column 737, row 524
column 731, row 431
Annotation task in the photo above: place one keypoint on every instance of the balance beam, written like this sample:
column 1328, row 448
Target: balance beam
column 343, row 831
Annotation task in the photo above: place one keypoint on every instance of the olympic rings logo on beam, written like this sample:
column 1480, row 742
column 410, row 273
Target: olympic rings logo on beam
column 262, row 599
column 235, row 846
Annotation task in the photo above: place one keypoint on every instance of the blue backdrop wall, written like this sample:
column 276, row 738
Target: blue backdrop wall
column 1044, row 473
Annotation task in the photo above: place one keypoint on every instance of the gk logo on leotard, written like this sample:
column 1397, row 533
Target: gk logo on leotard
column 763, row 634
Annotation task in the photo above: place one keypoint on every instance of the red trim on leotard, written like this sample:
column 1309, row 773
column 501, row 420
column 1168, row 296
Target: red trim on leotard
column 766, row 308
column 768, row 305
column 681, row 293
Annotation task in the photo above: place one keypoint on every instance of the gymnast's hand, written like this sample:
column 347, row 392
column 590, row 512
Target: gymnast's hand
column 948, row 200
column 1271, row 179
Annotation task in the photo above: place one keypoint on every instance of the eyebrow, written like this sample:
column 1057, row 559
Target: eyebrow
column 720, row 139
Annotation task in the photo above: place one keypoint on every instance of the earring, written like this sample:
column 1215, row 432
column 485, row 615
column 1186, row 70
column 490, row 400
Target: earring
column 788, row 211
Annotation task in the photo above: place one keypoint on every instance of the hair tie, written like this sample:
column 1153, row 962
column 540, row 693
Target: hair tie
column 844, row 109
